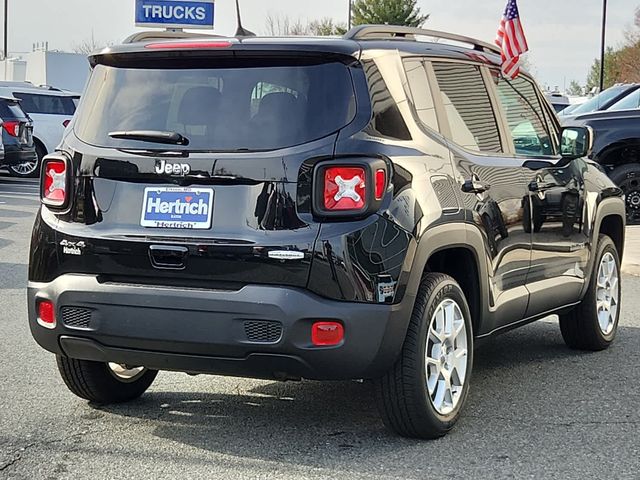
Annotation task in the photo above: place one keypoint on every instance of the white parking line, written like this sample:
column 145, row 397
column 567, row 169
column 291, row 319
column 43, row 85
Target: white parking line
column 19, row 194
column 32, row 187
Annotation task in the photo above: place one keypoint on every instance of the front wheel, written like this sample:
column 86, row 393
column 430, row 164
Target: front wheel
column 593, row 324
column 627, row 177
column 104, row 383
column 422, row 395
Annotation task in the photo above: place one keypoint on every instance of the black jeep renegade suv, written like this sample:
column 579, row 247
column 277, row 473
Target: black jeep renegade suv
column 360, row 208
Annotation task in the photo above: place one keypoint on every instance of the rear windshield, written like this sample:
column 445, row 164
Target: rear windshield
column 9, row 110
column 46, row 104
column 218, row 109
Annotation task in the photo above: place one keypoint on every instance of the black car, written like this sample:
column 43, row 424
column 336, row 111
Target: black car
column 316, row 208
column 617, row 147
column 17, row 134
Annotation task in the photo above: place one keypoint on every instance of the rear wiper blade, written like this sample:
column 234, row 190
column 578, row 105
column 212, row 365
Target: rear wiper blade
column 152, row 136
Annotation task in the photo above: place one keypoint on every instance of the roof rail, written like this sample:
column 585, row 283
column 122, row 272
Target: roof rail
column 378, row 32
column 166, row 35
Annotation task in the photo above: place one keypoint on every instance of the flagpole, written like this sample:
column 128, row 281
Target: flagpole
column 603, row 43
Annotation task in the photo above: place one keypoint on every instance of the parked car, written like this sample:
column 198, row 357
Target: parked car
column 51, row 111
column 17, row 134
column 326, row 209
column 558, row 101
column 604, row 100
column 617, row 147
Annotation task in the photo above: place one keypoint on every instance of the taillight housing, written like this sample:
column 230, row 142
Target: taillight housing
column 46, row 314
column 55, row 181
column 12, row 128
column 66, row 123
column 347, row 188
column 327, row 334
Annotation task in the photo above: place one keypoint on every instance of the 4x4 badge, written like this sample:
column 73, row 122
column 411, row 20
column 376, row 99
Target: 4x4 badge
column 164, row 167
column 72, row 248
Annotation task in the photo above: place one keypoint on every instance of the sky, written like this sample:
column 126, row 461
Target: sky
column 564, row 35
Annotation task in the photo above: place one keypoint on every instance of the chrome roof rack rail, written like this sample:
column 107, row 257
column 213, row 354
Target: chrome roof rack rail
column 381, row 32
column 165, row 35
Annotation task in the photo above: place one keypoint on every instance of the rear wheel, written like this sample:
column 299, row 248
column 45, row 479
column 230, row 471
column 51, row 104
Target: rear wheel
column 104, row 383
column 29, row 169
column 627, row 177
column 593, row 324
column 423, row 394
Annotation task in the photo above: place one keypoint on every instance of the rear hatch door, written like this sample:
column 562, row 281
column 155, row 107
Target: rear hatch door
column 217, row 203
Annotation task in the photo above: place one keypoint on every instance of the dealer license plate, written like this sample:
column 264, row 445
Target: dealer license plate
column 180, row 208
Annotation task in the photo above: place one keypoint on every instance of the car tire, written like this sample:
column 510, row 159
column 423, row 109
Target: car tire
column 100, row 383
column 593, row 324
column 410, row 402
column 32, row 173
column 627, row 177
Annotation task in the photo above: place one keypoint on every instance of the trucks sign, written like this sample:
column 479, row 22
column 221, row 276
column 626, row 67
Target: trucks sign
column 175, row 13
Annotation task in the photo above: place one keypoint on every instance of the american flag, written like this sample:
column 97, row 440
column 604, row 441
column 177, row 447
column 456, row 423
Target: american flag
column 511, row 40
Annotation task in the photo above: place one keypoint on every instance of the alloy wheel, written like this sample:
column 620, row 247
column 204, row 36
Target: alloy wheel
column 25, row 169
column 608, row 293
column 446, row 357
column 125, row 373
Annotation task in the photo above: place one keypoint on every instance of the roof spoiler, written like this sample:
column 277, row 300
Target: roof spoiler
column 154, row 36
column 384, row 32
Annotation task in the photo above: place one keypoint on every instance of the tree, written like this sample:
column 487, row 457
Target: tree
column 574, row 88
column 388, row 12
column 326, row 27
column 90, row 45
column 282, row 25
column 620, row 65
column 611, row 74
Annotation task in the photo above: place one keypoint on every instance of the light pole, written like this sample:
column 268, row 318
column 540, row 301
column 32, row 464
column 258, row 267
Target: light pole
column 603, row 46
column 349, row 23
column 6, row 26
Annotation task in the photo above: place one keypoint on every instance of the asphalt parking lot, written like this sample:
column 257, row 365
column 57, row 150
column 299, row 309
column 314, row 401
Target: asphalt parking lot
column 536, row 410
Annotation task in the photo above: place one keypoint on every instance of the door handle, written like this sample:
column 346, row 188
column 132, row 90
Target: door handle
column 166, row 257
column 475, row 186
column 539, row 186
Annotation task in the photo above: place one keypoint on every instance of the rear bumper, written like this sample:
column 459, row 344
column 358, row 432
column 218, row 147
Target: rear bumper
column 14, row 155
column 214, row 331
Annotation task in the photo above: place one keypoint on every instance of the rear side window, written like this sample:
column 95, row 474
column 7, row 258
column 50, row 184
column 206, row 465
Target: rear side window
column 387, row 120
column 468, row 106
column 218, row 109
column 11, row 110
column 46, row 104
column 421, row 93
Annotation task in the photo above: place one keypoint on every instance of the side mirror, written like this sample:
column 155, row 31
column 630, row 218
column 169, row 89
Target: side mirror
column 576, row 142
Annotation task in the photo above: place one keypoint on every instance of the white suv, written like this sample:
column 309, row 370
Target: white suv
column 51, row 111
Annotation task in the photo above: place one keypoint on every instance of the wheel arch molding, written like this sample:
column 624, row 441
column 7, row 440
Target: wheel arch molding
column 455, row 250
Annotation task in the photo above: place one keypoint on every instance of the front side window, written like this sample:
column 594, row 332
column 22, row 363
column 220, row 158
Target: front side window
column 468, row 107
column 525, row 116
